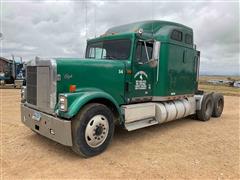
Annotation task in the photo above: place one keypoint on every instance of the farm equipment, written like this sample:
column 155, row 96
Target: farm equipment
column 135, row 75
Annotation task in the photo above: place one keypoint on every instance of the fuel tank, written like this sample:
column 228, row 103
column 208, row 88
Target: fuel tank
column 171, row 110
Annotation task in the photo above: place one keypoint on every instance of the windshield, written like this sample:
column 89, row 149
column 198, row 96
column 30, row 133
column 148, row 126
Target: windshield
column 109, row 49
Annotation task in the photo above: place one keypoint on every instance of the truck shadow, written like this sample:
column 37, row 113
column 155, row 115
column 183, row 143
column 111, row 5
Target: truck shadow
column 121, row 137
column 121, row 133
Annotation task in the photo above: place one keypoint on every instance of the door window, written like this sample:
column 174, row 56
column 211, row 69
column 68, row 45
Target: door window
column 141, row 54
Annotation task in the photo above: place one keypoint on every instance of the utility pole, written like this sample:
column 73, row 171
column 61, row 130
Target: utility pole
column 95, row 20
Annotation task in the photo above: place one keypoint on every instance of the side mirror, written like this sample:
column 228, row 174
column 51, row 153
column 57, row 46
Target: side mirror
column 152, row 62
column 155, row 54
column 156, row 50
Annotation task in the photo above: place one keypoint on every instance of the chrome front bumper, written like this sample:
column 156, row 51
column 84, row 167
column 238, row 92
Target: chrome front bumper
column 49, row 126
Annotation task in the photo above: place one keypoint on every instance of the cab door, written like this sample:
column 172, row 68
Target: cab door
column 142, row 74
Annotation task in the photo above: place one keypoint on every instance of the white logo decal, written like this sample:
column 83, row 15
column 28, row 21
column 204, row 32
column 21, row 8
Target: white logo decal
column 141, row 83
column 67, row 76
column 141, row 73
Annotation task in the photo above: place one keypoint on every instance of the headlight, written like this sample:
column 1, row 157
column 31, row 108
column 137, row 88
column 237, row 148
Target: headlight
column 23, row 94
column 63, row 103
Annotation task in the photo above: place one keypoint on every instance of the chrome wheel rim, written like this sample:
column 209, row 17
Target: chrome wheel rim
column 96, row 131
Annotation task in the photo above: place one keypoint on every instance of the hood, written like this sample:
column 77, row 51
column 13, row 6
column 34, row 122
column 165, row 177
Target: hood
column 106, row 75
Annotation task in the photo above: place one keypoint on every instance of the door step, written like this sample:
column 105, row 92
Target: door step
column 140, row 124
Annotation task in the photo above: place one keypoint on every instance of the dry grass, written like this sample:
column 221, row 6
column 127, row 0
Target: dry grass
column 206, row 78
column 224, row 89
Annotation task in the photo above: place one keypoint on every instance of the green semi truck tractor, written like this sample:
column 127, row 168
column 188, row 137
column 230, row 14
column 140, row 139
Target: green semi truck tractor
column 134, row 75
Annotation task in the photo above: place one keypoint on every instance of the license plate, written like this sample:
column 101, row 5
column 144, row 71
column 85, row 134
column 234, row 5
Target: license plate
column 36, row 116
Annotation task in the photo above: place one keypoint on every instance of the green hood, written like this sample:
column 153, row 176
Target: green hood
column 105, row 75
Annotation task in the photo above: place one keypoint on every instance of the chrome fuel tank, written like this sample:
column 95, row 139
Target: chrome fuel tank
column 171, row 110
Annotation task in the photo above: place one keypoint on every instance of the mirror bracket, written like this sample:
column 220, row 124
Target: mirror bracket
column 156, row 50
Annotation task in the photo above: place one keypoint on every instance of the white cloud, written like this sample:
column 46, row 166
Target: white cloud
column 53, row 28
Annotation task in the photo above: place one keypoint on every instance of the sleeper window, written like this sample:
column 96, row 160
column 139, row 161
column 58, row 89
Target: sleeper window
column 188, row 39
column 176, row 35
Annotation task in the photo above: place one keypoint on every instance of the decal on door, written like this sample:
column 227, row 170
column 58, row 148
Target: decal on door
column 140, row 80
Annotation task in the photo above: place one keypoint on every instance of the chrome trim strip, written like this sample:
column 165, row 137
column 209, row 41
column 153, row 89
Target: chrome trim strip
column 53, row 84
column 158, row 62
column 159, row 98
column 141, row 99
column 167, row 98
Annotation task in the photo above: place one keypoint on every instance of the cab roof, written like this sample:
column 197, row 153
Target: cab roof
column 159, row 30
column 154, row 27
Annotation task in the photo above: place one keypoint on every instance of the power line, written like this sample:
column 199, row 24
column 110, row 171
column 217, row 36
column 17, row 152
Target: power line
column 152, row 16
column 86, row 20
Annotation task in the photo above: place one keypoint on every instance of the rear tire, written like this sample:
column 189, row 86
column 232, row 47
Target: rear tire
column 205, row 113
column 92, row 130
column 218, row 104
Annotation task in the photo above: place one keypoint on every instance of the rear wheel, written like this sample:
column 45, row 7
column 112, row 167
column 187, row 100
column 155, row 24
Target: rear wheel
column 205, row 113
column 92, row 130
column 218, row 104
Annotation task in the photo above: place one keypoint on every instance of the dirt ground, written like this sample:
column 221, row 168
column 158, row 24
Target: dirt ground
column 180, row 149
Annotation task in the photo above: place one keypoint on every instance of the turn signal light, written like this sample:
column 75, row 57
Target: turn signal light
column 129, row 71
column 72, row 88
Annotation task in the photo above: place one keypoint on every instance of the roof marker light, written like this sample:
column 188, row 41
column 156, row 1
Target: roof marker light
column 140, row 31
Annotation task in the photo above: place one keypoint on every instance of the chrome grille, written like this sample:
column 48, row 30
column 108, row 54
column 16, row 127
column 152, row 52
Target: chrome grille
column 31, row 83
column 41, row 85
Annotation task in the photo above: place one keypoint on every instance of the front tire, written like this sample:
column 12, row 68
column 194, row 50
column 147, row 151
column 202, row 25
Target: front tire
column 92, row 130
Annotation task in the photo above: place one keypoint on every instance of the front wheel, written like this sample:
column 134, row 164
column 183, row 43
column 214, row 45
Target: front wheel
column 92, row 130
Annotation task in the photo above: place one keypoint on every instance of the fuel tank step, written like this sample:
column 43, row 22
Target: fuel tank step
column 146, row 114
column 140, row 124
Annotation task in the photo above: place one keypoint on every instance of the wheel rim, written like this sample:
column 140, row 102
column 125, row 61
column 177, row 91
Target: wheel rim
column 96, row 131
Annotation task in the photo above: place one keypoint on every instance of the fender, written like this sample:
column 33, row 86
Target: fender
column 78, row 99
